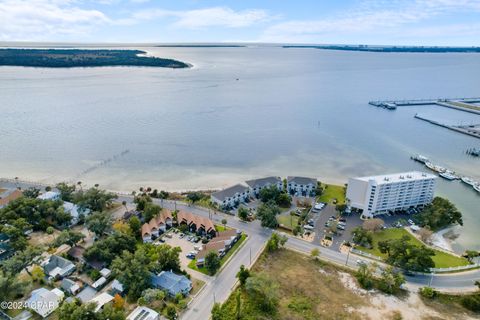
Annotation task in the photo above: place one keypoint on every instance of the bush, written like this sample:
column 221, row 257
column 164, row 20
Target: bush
column 428, row 292
column 471, row 302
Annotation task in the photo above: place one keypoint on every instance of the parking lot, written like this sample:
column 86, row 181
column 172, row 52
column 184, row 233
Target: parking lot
column 184, row 244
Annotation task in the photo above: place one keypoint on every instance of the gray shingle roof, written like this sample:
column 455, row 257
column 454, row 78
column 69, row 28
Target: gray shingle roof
column 263, row 181
column 302, row 180
column 171, row 282
column 229, row 192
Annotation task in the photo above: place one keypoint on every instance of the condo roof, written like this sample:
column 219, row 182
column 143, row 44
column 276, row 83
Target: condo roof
column 301, row 180
column 399, row 177
column 263, row 181
column 229, row 192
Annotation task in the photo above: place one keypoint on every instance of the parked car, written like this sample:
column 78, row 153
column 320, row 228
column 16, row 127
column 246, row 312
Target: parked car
column 181, row 235
column 342, row 220
column 411, row 222
column 361, row 262
column 190, row 255
column 340, row 227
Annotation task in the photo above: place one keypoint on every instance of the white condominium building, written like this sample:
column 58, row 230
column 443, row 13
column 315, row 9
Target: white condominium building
column 380, row 194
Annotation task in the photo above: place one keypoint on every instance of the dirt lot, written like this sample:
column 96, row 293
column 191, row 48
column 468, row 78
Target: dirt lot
column 313, row 290
column 40, row 238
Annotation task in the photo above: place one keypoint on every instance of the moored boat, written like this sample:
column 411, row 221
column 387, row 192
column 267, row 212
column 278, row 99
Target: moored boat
column 448, row 175
column 477, row 187
column 468, row 181
column 430, row 165
column 420, row 158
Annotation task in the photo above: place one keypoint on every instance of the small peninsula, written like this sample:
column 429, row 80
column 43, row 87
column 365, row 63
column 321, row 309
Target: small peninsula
column 71, row 58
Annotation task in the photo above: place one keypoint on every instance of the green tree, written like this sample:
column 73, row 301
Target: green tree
column 94, row 199
column 171, row 312
column 150, row 211
column 224, row 222
column 315, row 253
column 10, row 287
column 217, row 313
column 243, row 213
column 37, row 274
column 69, row 237
column 31, row 192
column 194, row 197
column 151, row 295
column 99, row 223
column 362, row 237
column 269, row 194
column 440, row 214
column 66, row 191
column 263, row 291
column 212, row 262
column 471, row 254
column 267, row 212
column 390, row 281
column 364, row 276
column 163, row 257
column 141, row 201
column 403, row 254
column 131, row 269
column 110, row 247
column 135, row 226
column 276, row 242
column 22, row 259
column 428, row 292
column 238, row 306
column 284, row 200
column 243, row 274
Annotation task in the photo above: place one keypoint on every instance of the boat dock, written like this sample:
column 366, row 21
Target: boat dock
column 462, row 104
column 468, row 130
column 473, row 152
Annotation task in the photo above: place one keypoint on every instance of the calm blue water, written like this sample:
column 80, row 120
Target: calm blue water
column 291, row 112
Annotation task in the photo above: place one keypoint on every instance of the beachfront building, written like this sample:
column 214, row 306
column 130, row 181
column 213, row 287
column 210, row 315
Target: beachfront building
column 157, row 225
column 231, row 197
column 301, row 186
column 198, row 224
column 376, row 195
column 256, row 185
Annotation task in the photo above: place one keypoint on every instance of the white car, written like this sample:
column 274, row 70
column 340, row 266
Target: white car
column 411, row 222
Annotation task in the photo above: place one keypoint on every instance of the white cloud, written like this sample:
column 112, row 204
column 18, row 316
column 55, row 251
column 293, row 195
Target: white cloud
column 208, row 17
column 370, row 17
column 41, row 19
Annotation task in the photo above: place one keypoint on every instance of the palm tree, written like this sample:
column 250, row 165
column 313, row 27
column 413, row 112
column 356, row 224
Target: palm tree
column 124, row 203
column 79, row 183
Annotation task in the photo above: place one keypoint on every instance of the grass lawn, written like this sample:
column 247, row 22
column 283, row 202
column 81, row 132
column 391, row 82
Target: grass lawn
column 192, row 264
column 287, row 220
column 441, row 259
column 221, row 228
column 330, row 192
column 304, row 292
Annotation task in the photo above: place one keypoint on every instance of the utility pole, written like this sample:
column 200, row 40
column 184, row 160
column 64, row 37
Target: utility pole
column 175, row 203
column 348, row 255
column 250, row 256
column 214, row 298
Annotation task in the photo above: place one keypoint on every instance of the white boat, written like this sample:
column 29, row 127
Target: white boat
column 477, row 187
column 439, row 169
column 420, row 158
column 468, row 181
column 430, row 165
column 448, row 175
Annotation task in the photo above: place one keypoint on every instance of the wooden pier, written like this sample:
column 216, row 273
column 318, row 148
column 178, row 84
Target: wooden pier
column 460, row 129
column 463, row 104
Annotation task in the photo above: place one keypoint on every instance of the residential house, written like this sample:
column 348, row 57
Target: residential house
column 57, row 267
column 195, row 223
column 70, row 286
column 44, row 301
column 231, row 197
column 157, row 225
column 99, row 283
column 8, row 196
column 256, row 185
column 116, row 287
column 101, row 300
column 69, row 207
column 171, row 283
column 301, row 186
column 6, row 251
column 143, row 313
column 220, row 244
column 87, row 294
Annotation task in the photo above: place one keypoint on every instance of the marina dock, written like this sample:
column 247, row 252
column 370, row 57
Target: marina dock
column 462, row 104
column 472, row 130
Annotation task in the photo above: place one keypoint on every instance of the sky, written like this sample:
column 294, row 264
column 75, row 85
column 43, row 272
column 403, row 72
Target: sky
column 374, row 22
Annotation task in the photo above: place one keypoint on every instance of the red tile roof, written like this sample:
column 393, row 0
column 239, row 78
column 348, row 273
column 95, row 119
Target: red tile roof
column 12, row 196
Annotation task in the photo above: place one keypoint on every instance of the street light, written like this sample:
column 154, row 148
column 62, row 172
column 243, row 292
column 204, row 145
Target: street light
column 431, row 279
column 348, row 255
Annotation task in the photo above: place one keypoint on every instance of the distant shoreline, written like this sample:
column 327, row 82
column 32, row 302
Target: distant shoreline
column 388, row 49
column 75, row 58
column 200, row 46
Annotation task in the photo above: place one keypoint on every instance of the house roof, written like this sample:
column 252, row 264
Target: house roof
column 49, row 195
column 155, row 222
column 199, row 221
column 263, row 181
column 100, row 282
column 117, row 285
column 86, row 294
column 58, row 266
column 229, row 192
column 143, row 313
column 215, row 246
column 76, row 252
column 44, row 301
column 15, row 194
column 302, row 180
column 101, row 300
column 171, row 282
